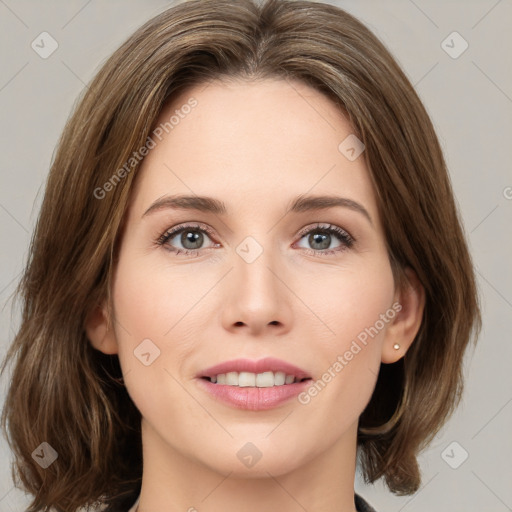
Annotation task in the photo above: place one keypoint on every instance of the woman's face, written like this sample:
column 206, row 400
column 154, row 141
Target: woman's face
column 261, row 280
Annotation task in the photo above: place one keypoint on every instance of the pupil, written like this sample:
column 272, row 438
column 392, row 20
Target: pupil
column 193, row 238
column 322, row 238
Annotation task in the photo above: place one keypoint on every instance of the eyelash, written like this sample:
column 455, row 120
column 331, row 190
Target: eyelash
column 341, row 234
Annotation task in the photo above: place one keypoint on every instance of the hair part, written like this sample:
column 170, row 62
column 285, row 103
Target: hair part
column 69, row 395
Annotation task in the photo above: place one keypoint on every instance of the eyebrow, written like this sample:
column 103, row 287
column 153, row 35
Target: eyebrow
column 300, row 204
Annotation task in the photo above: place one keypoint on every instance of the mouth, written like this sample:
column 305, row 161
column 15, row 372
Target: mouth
column 259, row 380
column 264, row 373
column 254, row 385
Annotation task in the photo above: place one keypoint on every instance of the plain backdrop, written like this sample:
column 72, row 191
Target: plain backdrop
column 469, row 97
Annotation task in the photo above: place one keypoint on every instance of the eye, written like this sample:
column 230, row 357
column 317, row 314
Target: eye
column 190, row 236
column 321, row 236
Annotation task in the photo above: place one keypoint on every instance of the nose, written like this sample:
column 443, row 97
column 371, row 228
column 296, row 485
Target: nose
column 257, row 299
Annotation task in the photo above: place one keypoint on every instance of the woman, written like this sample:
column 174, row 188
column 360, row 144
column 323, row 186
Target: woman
column 248, row 270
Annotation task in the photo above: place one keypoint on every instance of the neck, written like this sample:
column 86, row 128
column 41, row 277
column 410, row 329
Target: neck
column 207, row 482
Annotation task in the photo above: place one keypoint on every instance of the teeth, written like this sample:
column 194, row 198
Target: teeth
column 265, row 380
column 245, row 379
column 280, row 378
column 232, row 379
column 248, row 379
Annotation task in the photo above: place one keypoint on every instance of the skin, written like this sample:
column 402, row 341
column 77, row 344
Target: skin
column 255, row 146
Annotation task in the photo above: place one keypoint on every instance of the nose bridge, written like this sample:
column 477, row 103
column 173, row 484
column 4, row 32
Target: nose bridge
column 256, row 262
column 257, row 295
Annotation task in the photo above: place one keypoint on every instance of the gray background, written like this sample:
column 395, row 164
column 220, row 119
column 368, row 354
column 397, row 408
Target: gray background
column 470, row 101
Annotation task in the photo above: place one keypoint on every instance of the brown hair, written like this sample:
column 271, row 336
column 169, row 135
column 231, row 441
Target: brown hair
column 67, row 394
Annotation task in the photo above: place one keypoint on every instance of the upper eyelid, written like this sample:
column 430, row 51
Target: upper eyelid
column 330, row 227
column 193, row 225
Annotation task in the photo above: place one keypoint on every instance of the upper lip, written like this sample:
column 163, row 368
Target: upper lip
column 267, row 364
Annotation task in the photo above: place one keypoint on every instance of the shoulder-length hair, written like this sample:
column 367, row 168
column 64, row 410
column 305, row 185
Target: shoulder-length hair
column 65, row 393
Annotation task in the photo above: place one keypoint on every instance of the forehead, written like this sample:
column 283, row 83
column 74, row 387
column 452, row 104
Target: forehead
column 265, row 140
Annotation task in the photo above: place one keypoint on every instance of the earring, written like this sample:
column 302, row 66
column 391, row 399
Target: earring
column 396, row 346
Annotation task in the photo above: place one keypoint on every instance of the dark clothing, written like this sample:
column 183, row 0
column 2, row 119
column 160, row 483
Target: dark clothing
column 361, row 505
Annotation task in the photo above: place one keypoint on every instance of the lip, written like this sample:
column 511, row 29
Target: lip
column 253, row 398
column 267, row 364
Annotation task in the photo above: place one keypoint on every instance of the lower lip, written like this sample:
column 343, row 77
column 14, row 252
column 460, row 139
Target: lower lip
column 252, row 398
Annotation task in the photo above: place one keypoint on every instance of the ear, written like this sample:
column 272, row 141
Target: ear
column 99, row 330
column 406, row 323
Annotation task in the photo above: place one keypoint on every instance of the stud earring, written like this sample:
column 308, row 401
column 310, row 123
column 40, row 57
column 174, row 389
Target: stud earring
column 396, row 346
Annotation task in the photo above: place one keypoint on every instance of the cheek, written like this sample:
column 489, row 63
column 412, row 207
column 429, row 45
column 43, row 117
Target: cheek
column 356, row 314
column 155, row 301
column 350, row 303
column 154, row 313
